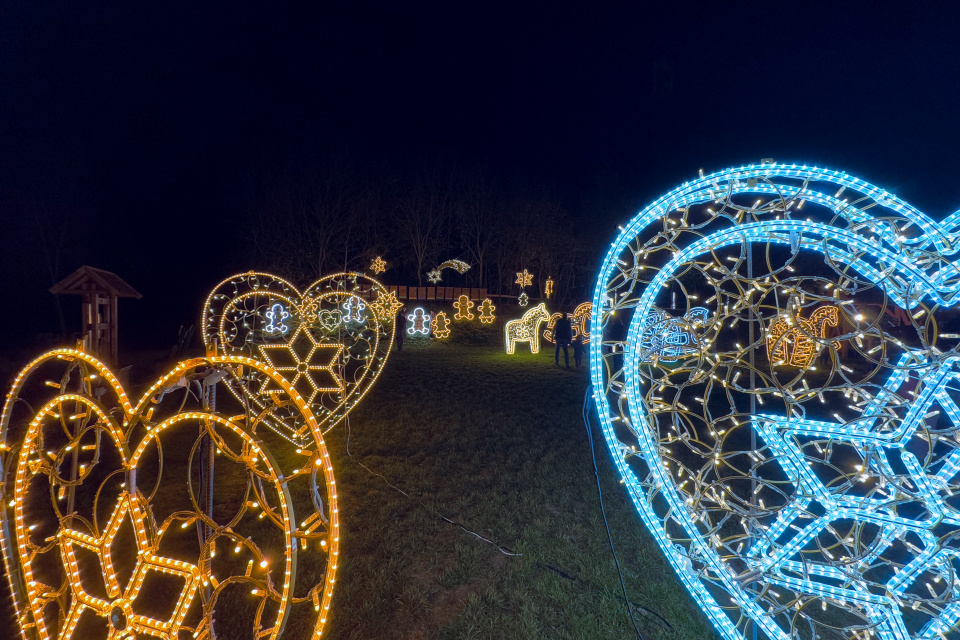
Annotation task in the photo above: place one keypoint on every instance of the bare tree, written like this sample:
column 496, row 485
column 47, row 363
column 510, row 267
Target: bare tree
column 424, row 210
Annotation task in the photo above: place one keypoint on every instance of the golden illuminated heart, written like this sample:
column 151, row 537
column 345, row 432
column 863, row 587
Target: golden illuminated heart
column 330, row 342
column 184, row 515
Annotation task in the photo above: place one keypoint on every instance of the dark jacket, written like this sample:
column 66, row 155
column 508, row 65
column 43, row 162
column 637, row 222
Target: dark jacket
column 563, row 330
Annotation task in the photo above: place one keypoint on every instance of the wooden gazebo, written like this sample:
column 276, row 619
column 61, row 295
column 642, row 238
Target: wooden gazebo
column 100, row 290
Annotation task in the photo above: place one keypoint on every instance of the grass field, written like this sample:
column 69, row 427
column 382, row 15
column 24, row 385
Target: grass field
column 497, row 444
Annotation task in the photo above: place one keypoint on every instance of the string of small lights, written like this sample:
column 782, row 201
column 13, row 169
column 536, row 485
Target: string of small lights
column 781, row 404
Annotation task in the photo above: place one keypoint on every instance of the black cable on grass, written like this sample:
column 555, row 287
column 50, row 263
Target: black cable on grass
column 504, row 550
column 596, row 472
column 507, row 551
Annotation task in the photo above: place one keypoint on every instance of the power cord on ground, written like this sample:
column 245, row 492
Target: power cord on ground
column 596, row 472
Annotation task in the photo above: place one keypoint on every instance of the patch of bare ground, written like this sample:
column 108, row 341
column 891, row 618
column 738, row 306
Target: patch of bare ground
column 448, row 602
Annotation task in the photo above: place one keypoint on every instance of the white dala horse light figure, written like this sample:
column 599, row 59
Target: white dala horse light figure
column 526, row 329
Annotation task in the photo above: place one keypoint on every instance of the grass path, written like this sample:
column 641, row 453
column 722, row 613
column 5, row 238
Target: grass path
column 495, row 443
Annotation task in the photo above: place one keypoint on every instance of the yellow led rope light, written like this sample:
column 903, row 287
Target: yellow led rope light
column 794, row 341
column 463, row 306
column 378, row 265
column 440, row 325
column 32, row 595
column 487, row 309
column 524, row 278
column 526, row 329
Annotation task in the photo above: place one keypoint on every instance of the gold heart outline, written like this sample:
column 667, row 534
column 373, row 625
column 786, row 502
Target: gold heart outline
column 137, row 421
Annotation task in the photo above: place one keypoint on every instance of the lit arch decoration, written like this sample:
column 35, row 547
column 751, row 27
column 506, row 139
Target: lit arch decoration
column 791, row 501
column 340, row 333
column 101, row 500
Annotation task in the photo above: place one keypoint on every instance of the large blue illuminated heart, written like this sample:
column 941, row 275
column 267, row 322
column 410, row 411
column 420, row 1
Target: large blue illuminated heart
column 798, row 460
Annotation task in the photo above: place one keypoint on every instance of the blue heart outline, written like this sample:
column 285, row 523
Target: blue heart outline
column 888, row 260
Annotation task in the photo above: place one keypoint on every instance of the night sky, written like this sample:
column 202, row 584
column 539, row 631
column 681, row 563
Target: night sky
column 134, row 126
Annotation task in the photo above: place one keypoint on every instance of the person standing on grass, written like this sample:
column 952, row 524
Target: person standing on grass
column 400, row 327
column 577, row 349
column 562, row 334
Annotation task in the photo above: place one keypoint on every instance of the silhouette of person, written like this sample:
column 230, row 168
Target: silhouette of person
column 577, row 349
column 562, row 335
column 400, row 327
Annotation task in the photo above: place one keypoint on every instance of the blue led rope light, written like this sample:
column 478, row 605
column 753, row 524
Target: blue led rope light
column 792, row 573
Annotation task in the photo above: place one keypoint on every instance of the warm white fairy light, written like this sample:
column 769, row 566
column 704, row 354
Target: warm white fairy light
column 378, row 265
column 463, row 306
column 98, row 405
column 526, row 329
column 440, row 325
column 341, row 331
column 487, row 311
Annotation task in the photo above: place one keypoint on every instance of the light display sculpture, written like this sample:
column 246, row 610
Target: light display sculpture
column 792, row 502
column 579, row 323
column 419, row 322
column 440, row 325
column 795, row 341
column 487, row 311
column 523, row 299
column 111, row 528
column 463, row 306
column 667, row 339
column 378, row 265
column 457, row 265
column 340, row 332
column 526, row 329
column 524, row 278
column 548, row 288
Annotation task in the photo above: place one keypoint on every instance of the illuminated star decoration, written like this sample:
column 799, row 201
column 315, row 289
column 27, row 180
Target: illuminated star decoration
column 298, row 361
column 463, row 306
column 457, row 265
column 276, row 315
column 378, row 265
column 387, row 305
column 419, row 322
column 440, row 325
column 486, row 310
column 524, row 278
column 523, row 299
column 118, row 608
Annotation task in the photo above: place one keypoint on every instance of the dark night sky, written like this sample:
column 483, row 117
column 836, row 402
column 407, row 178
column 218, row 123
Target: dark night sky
column 139, row 121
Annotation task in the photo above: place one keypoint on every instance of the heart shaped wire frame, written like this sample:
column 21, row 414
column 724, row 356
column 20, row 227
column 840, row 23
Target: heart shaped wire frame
column 789, row 432
column 165, row 518
column 330, row 342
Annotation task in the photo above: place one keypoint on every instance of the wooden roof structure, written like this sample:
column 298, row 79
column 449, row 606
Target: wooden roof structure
column 88, row 278
column 100, row 290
